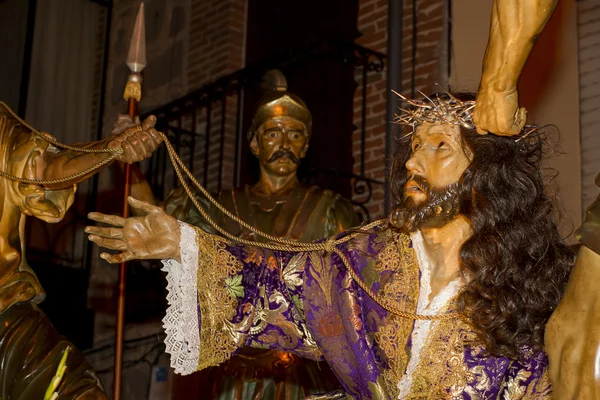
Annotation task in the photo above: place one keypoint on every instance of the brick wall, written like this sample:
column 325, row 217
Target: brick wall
column 216, row 47
column 429, row 66
column 589, row 101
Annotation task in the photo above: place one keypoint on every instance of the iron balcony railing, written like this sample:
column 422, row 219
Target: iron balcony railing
column 207, row 126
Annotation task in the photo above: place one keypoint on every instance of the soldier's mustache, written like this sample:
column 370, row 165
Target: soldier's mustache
column 284, row 153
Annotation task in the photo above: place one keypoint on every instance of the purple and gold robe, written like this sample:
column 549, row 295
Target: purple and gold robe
column 225, row 296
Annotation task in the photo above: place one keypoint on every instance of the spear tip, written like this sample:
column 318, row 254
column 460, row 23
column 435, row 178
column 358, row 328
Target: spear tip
column 136, row 58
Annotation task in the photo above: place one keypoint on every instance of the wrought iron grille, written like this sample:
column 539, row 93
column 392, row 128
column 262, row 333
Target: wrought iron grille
column 206, row 126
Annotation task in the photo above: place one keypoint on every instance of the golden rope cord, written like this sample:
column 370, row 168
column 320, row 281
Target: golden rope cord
column 279, row 243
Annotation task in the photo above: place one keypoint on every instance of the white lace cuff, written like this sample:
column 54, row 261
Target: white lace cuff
column 181, row 322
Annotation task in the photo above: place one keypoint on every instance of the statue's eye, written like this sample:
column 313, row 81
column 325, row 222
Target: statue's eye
column 295, row 135
column 442, row 145
column 416, row 146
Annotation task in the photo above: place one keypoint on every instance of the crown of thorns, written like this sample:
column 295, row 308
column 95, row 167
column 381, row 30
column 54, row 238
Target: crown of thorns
column 436, row 110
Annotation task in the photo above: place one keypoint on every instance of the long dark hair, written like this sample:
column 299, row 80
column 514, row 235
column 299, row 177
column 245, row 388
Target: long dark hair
column 516, row 261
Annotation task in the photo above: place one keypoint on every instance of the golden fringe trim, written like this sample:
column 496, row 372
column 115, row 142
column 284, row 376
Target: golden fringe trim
column 403, row 288
column 133, row 90
column 217, row 307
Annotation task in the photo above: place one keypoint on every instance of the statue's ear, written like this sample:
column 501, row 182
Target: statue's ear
column 47, row 205
column 254, row 145
column 304, row 150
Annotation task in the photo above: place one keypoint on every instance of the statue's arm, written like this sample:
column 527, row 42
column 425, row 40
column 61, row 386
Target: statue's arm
column 137, row 144
column 514, row 28
column 222, row 296
column 573, row 332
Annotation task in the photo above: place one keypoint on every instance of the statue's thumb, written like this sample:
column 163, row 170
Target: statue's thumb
column 149, row 122
column 519, row 122
column 141, row 205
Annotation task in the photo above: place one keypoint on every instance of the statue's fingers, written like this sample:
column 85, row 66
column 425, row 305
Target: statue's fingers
column 480, row 122
column 507, row 126
column 148, row 142
column 156, row 137
column 111, row 244
column 143, row 206
column 149, row 123
column 107, row 219
column 107, row 232
column 481, row 130
column 117, row 258
column 138, row 147
column 519, row 121
column 482, row 126
column 129, row 153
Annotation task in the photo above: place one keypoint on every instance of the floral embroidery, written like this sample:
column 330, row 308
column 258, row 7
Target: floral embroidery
column 330, row 324
column 514, row 389
column 272, row 263
column 254, row 257
column 234, row 287
column 355, row 317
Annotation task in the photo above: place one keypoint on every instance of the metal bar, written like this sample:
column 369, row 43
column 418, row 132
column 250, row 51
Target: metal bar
column 449, row 41
column 222, row 144
column 363, row 129
column 177, row 148
column 163, row 168
column 207, row 141
column 394, row 82
column 180, row 131
column 245, row 73
column 27, row 56
column 103, row 3
column 413, row 87
column 193, row 141
column 93, row 195
column 239, row 137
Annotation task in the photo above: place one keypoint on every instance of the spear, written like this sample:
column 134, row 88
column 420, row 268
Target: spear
column 136, row 61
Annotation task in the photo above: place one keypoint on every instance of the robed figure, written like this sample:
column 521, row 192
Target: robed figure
column 30, row 348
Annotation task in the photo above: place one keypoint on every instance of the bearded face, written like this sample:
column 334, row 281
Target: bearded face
column 430, row 196
column 439, row 207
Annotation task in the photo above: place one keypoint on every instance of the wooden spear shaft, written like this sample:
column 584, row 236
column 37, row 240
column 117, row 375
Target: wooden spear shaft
column 136, row 61
column 120, row 326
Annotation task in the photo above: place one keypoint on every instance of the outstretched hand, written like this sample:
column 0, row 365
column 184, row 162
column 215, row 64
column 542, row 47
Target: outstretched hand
column 154, row 236
column 498, row 113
